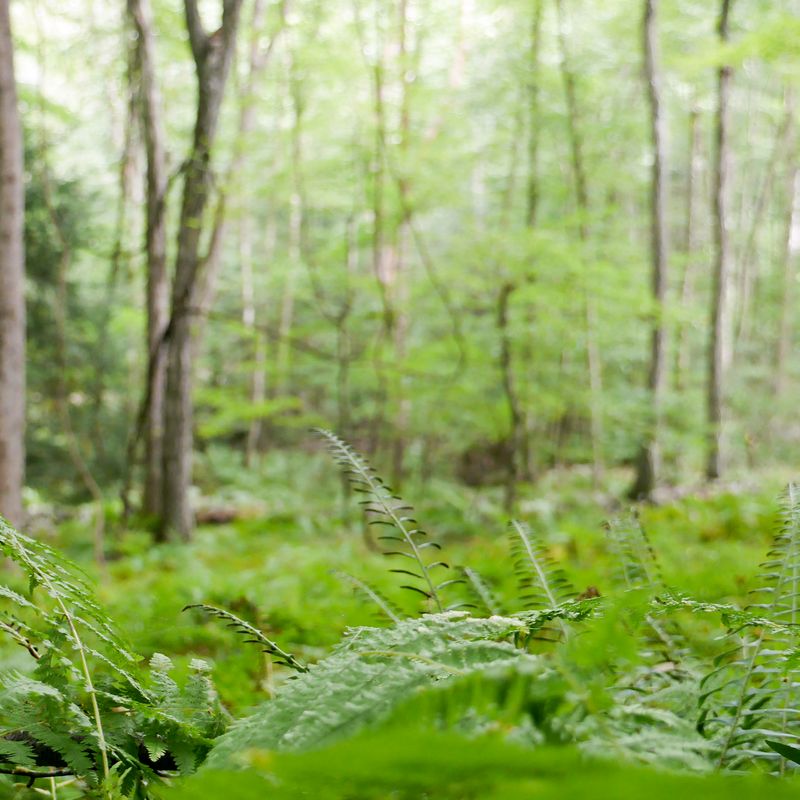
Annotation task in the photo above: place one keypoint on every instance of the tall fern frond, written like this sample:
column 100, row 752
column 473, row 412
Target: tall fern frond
column 370, row 593
column 405, row 540
column 252, row 635
column 752, row 695
column 542, row 584
column 636, row 561
column 637, row 569
column 482, row 592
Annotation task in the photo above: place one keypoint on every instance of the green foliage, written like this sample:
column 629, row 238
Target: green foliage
column 84, row 706
column 541, row 584
column 371, row 672
column 622, row 681
column 399, row 762
column 751, row 694
column 253, row 635
column 405, row 539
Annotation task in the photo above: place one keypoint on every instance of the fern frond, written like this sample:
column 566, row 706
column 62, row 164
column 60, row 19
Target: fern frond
column 636, row 561
column 73, row 612
column 86, row 708
column 481, row 591
column 637, row 569
column 542, row 585
column 751, row 695
column 367, row 676
column 17, row 631
column 253, row 635
column 370, row 593
column 383, row 507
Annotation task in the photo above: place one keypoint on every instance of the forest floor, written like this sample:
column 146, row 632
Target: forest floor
column 277, row 565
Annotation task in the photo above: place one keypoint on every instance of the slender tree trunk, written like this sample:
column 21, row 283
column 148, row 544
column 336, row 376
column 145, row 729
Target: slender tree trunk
column 593, row 359
column 525, row 467
column 689, row 246
column 534, row 121
column 344, row 354
column 12, row 284
column 256, row 339
column 296, row 231
column 156, row 250
column 212, row 56
column 517, row 144
column 719, row 349
column 119, row 254
column 789, row 294
column 258, row 59
column 382, row 255
column 212, row 261
column 400, row 279
column 515, row 414
column 648, row 464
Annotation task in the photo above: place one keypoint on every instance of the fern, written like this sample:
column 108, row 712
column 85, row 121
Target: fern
column 638, row 570
column 370, row 673
column 86, row 709
column 481, row 592
column 370, row 593
column 751, row 695
column 406, row 539
column 542, row 585
column 252, row 635
column 636, row 561
column 73, row 613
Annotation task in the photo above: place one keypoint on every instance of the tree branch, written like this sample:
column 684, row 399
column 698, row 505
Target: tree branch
column 230, row 22
column 198, row 38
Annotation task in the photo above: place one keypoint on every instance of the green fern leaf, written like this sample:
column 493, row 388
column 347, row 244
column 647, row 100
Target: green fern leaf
column 382, row 506
column 254, row 636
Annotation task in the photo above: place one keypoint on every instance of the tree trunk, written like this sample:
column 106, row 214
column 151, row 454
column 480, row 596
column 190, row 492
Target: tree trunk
column 687, row 282
column 516, row 418
column 649, row 459
column 401, row 288
column 156, row 250
column 533, row 117
column 593, row 360
column 212, row 56
column 788, row 295
column 12, row 285
column 525, row 467
column 296, row 233
column 719, row 349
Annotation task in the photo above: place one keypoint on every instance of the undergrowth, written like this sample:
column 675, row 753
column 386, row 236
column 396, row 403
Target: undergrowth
column 462, row 689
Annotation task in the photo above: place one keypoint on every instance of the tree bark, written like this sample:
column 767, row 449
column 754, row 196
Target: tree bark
column 593, row 359
column 788, row 295
column 12, row 284
column 156, row 250
column 212, row 54
column 401, row 288
column 719, row 347
column 516, row 417
column 296, row 232
column 532, row 206
column 648, row 464
column 689, row 245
